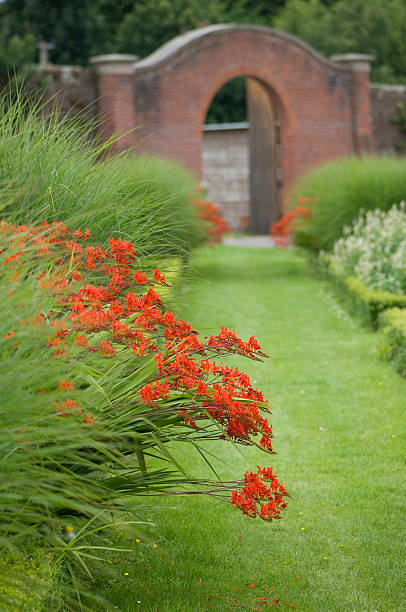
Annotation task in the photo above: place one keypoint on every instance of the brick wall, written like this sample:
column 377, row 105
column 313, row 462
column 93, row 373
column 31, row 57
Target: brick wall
column 75, row 90
column 388, row 136
column 325, row 109
column 72, row 89
column 322, row 107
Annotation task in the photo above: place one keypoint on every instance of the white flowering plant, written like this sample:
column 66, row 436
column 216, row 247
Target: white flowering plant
column 374, row 249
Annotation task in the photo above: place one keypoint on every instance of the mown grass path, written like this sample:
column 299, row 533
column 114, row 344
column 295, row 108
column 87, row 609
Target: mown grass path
column 338, row 417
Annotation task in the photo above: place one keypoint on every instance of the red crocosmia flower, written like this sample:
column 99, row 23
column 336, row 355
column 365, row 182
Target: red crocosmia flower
column 66, row 407
column 140, row 278
column 122, row 250
column 187, row 419
column 133, row 303
column 141, row 348
column 89, row 419
column 169, row 319
column 65, row 385
column 90, row 263
column 82, row 341
column 255, row 491
column 154, row 391
column 159, row 278
column 301, row 201
column 211, row 214
column 73, row 246
column 202, row 388
column 76, row 275
column 106, row 348
column 266, row 443
column 282, row 231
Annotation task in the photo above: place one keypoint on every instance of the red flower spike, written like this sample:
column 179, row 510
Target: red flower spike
column 282, row 231
column 154, row 391
column 187, row 419
column 65, row 385
column 106, row 348
column 89, row 419
column 211, row 214
column 140, row 278
column 159, row 278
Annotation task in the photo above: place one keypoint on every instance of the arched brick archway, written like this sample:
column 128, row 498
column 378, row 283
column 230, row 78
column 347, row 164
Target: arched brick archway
column 266, row 113
column 322, row 106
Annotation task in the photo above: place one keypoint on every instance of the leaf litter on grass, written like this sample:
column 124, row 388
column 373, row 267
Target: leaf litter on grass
column 256, row 603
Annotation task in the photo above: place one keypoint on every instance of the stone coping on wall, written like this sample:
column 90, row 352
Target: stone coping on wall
column 174, row 47
column 114, row 63
column 359, row 62
column 223, row 127
column 384, row 87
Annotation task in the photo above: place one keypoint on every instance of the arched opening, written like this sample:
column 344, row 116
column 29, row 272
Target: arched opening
column 241, row 154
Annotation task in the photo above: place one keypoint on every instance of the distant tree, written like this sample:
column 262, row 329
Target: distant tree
column 17, row 51
column 257, row 11
column 364, row 26
column 77, row 28
column 229, row 103
column 150, row 23
column 252, row 11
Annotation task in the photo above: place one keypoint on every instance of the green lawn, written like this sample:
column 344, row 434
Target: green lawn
column 340, row 437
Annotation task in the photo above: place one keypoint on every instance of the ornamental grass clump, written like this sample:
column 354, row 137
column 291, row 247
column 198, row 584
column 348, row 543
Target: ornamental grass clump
column 53, row 168
column 373, row 249
column 101, row 382
column 338, row 190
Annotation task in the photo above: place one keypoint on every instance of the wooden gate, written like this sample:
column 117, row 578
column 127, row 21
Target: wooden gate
column 265, row 207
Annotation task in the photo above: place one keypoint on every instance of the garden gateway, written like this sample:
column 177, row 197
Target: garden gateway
column 303, row 109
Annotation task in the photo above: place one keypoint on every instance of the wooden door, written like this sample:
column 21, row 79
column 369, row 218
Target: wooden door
column 264, row 196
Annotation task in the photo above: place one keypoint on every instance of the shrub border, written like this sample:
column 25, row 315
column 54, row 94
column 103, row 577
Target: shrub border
column 392, row 347
column 376, row 309
column 366, row 304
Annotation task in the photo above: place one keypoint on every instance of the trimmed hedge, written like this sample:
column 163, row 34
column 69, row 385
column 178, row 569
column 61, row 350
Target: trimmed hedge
column 377, row 309
column 393, row 345
column 366, row 304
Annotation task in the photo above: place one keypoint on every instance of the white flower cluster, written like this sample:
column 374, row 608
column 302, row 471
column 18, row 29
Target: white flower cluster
column 374, row 249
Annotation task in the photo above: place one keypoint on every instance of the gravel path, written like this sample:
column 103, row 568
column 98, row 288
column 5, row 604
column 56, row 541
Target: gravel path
column 261, row 242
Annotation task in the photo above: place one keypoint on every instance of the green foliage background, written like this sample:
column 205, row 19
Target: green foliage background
column 362, row 26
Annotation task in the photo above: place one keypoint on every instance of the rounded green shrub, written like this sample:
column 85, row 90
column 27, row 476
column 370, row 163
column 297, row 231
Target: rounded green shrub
column 337, row 191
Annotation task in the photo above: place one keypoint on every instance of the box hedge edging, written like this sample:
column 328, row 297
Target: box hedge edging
column 377, row 309
column 367, row 304
column 393, row 343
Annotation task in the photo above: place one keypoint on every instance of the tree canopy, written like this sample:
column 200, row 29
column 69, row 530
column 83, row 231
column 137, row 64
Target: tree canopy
column 360, row 26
